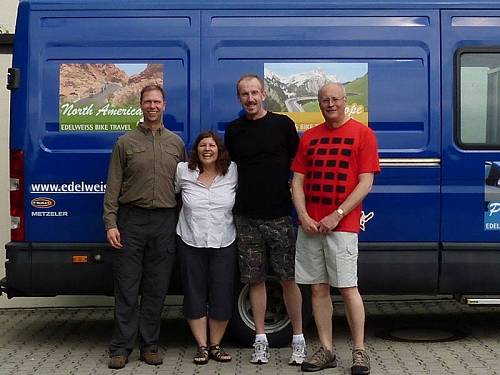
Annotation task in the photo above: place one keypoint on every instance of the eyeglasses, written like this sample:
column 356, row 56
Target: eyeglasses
column 327, row 101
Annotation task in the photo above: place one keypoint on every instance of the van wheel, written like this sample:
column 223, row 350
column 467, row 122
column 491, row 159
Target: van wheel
column 277, row 324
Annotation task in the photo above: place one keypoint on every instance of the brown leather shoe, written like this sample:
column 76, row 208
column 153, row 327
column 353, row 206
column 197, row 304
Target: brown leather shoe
column 117, row 361
column 151, row 358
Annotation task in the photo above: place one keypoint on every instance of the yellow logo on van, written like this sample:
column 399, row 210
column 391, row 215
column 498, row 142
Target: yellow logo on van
column 42, row 202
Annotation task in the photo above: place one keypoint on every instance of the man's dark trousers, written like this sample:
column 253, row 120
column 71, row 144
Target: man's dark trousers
column 143, row 266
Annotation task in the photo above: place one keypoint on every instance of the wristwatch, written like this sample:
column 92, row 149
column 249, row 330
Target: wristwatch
column 340, row 212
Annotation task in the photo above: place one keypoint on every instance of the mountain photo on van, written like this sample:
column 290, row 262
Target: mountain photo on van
column 103, row 97
column 292, row 89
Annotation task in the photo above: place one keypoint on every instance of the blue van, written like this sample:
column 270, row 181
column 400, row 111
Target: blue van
column 424, row 75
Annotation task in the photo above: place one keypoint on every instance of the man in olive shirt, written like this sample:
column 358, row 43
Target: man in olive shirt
column 140, row 219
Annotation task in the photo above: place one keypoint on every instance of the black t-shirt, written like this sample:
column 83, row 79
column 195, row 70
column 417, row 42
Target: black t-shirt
column 263, row 150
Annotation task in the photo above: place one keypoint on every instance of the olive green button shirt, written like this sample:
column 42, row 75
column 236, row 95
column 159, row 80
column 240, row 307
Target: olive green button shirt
column 142, row 172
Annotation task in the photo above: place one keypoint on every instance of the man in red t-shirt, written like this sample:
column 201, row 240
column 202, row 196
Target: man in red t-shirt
column 333, row 172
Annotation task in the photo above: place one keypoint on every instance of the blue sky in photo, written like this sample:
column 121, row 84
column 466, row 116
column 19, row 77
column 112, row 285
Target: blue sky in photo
column 132, row 69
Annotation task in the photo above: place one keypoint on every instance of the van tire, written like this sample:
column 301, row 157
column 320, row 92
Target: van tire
column 277, row 324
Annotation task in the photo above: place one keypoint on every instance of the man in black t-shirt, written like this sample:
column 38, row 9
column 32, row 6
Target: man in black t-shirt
column 263, row 145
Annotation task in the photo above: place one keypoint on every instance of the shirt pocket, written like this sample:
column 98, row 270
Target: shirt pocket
column 136, row 158
column 169, row 152
column 170, row 156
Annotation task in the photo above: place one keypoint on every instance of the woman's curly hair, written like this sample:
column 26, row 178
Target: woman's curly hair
column 223, row 160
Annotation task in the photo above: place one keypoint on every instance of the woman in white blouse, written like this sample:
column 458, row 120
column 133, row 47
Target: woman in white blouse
column 207, row 248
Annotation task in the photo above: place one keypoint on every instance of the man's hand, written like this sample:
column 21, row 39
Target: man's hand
column 114, row 238
column 309, row 225
column 329, row 223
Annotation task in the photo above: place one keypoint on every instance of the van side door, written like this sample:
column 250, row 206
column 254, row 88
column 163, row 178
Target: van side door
column 470, row 226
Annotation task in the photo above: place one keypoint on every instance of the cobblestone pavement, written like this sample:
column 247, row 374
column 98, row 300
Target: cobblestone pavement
column 73, row 341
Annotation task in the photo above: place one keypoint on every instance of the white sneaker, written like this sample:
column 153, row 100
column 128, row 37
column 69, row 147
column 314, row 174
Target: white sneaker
column 260, row 353
column 298, row 353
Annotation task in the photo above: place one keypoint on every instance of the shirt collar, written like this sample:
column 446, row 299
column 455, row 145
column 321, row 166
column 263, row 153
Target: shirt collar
column 146, row 131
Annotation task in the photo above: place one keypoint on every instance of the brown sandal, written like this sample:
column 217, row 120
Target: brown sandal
column 201, row 356
column 217, row 353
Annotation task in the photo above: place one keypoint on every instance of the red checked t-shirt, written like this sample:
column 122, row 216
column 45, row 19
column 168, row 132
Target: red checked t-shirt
column 331, row 159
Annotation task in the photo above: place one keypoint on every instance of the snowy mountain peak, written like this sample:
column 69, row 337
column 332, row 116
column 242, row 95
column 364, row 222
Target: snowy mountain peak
column 305, row 84
column 317, row 75
column 269, row 74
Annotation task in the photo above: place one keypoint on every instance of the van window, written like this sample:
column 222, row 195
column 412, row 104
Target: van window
column 478, row 99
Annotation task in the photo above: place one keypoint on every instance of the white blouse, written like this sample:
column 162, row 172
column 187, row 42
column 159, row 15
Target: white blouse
column 206, row 218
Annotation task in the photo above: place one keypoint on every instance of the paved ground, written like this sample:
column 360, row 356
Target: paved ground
column 73, row 341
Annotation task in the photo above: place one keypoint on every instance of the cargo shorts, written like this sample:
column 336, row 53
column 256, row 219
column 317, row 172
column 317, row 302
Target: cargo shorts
column 327, row 258
column 263, row 239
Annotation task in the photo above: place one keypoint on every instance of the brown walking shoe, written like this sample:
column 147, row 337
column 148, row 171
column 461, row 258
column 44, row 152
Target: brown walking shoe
column 117, row 362
column 323, row 358
column 360, row 362
column 152, row 358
